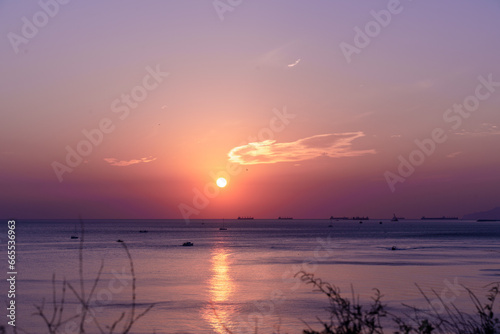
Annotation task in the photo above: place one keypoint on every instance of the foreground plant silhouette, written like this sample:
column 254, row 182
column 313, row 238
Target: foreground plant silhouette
column 56, row 322
column 347, row 316
column 482, row 321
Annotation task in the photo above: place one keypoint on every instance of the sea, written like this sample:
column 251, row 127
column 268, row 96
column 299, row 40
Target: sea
column 245, row 278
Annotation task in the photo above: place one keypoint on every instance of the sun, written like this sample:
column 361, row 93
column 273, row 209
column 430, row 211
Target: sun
column 221, row 182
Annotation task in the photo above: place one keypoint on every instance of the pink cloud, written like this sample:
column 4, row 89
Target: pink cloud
column 334, row 145
column 123, row 163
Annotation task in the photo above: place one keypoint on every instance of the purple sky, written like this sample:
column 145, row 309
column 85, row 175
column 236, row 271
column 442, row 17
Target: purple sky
column 311, row 108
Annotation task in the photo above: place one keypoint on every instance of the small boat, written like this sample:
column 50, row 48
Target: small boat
column 394, row 218
column 394, row 248
column 188, row 244
column 143, row 231
column 75, row 235
column 119, row 240
column 223, row 228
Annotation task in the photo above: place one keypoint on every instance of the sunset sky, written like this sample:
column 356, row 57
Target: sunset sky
column 312, row 108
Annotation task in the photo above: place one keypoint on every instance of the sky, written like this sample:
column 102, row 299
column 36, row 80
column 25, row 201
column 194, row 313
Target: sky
column 132, row 109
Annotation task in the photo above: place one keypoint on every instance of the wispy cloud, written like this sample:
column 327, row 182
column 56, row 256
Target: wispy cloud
column 453, row 155
column 486, row 129
column 123, row 163
column 279, row 56
column 294, row 64
column 334, row 145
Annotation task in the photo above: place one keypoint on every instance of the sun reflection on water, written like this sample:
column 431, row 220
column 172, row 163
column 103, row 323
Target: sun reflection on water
column 221, row 288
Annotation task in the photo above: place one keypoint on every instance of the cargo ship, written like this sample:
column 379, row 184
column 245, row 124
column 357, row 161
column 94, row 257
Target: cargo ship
column 339, row 218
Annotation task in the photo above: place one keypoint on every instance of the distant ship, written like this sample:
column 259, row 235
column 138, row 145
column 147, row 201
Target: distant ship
column 339, row 218
column 285, row 217
column 223, row 228
column 245, row 218
column 439, row 218
column 360, row 218
column 75, row 235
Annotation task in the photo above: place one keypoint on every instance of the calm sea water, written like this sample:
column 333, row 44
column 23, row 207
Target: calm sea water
column 243, row 277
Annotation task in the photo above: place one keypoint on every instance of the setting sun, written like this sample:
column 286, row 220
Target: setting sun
column 221, row 182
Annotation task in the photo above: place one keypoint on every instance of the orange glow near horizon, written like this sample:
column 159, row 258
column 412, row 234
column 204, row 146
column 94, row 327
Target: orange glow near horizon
column 293, row 126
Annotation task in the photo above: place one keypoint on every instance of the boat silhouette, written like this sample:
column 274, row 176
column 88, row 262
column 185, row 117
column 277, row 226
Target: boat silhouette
column 75, row 233
column 223, row 228
column 339, row 218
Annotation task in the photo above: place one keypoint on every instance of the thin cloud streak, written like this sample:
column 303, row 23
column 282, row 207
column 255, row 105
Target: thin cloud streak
column 486, row 130
column 123, row 163
column 453, row 155
column 334, row 145
column 294, row 64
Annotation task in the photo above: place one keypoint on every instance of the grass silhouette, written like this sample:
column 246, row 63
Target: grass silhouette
column 348, row 316
column 55, row 319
